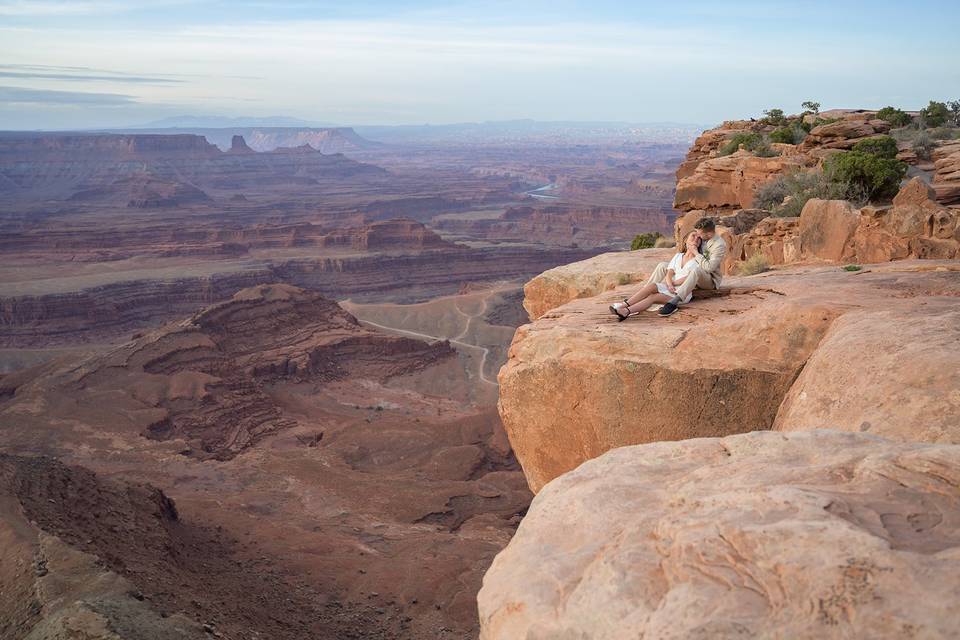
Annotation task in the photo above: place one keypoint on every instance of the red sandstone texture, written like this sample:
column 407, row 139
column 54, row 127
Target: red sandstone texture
column 917, row 224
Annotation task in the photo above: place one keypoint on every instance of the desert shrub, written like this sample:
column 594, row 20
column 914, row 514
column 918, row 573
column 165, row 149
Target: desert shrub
column 752, row 142
column 923, row 145
column 852, row 267
column 882, row 146
column 786, row 195
column 748, row 140
column 645, row 240
column 935, row 114
column 955, row 111
column 757, row 263
column 877, row 177
column 896, row 117
column 765, row 151
column 783, row 134
column 791, row 134
column 811, row 107
column 774, row 117
column 943, row 133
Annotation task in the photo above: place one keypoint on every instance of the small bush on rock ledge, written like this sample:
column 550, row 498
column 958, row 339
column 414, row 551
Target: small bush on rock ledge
column 645, row 240
column 880, row 146
column 877, row 177
column 752, row 142
column 757, row 263
column 896, row 117
column 785, row 195
column 935, row 114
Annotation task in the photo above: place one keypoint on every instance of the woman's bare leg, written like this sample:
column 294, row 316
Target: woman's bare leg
column 646, row 303
column 645, row 292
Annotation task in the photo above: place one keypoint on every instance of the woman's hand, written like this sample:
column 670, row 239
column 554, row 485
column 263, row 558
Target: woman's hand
column 668, row 280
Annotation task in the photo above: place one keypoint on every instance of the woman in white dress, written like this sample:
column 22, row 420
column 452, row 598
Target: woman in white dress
column 664, row 291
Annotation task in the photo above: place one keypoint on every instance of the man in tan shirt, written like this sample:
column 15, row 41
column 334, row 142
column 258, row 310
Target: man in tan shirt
column 705, row 275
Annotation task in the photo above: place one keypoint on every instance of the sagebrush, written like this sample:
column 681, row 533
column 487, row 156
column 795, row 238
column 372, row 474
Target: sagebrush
column 757, row 263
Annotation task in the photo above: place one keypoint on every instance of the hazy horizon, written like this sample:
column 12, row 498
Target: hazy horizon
column 112, row 63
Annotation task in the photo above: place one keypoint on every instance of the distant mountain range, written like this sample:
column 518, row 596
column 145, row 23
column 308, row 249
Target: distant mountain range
column 221, row 122
column 268, row 133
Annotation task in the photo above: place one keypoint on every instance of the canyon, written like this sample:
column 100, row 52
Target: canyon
column 248, row 377
column 249, row 388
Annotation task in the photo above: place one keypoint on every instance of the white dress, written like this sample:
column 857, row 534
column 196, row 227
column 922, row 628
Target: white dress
column 680, row 270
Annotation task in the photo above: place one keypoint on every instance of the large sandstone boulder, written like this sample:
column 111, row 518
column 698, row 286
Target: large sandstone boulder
column 884, row 373
column 946, row 177
column 578, row 383
column 826, row 228
column 589, row 277
column 729, row 182
column 844, row 133
column 804, row 536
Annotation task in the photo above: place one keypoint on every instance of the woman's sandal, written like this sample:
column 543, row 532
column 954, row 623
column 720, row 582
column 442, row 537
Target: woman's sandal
column 613, row 307
column 620, row 316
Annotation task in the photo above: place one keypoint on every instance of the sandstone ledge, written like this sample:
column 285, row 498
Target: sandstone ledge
column 590, row 277
column 807, row 535
column 578, row 383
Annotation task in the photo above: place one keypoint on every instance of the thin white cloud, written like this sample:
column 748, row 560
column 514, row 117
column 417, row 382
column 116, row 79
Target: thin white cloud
column 54, row 8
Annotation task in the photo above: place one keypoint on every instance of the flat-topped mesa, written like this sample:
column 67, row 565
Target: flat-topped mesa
column 41, row 167
column 578, row 383
column 34, row 146
column 386, row 235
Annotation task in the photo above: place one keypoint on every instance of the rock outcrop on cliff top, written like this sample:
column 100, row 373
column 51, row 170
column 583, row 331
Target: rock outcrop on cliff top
column 913, row 226
column 918, row 224
column 764, row 535
column 578, row 383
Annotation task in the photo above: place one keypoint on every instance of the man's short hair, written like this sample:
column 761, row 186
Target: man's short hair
column 705, row 224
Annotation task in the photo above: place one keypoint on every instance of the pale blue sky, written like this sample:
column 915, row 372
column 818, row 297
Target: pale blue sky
column 94, row 63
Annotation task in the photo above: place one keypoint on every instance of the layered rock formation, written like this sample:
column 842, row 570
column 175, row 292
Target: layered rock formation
column 916, row 225
column 61, row 165
column 52, row 588
column 578, row 383
column 347, row 475
column 764, row 535
column 946, row 176
column 78, row 314
column 193, row 379
column 727, row 183
column 706, row 180
column 86, row 557
column 564, row 224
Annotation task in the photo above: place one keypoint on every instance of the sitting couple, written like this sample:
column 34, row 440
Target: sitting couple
column 696, row 265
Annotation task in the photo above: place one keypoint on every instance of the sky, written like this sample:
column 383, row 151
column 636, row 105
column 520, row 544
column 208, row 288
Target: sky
column 112, row 63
